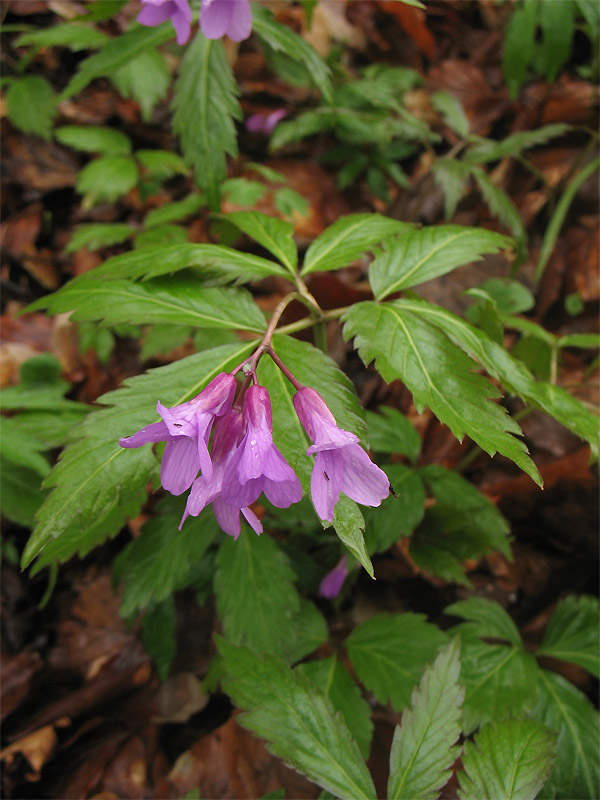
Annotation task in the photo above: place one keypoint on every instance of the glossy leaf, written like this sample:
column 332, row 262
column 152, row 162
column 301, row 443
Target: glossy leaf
column 275, row 235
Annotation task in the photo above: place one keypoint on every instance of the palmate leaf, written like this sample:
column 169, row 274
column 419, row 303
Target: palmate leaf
column 390, row 651
column 511, row 760
column 334, row 680
column 515, row 376
column 573, row 633
column 205, row 105
column 297, row 720
column 424, row 746
column 420, row 255
column 275, row 235
column 438, row 374
column 564, row 709
column 94, row 474
column 347, row 239
column 179, row 301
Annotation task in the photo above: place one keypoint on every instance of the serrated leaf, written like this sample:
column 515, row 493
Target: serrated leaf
column 515, row 376
column 106, row 179
column 73, row 35
column 347, row 239
column 399, row 514
column 283, row 39
column 275, row 235
column 501, row 207
column 511, row 760
column 97, row 235
column 392, row 432
column 420, row 255
column 206, row 106
column 513, row 145
column 389, row 653
column 424, row 746
column 115, row 54
column 94, row 474
column 50, row 428
column 160, row 236
column 256, row 596
column 519, row 44
column 176, row 300
column 159, row 635
column 155, row 564
column 308, row 630
column 349, row 524
column 438, row 374
column 93, row 139
column 573, row 633
column 174, row 212
column 297, row 720
column 564, row 709
column 491, row 620
column 452, row 177
column 334, row 680
column 144, row 78
column 31, row 105
column 452, row 112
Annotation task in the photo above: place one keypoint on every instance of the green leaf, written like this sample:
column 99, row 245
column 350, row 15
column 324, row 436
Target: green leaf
column 50, row 428
column 22, row 494
column 557, row 24
column 297, row 720
column 519, row 44
column 306, row 124
column 92, row 139
column 206, row 106
column 282, row 39
column 22, row 448
column 349, row 524
column 106, row 179
column 177, row 300
column 452, row 112
column 511, row 759
column 389, row 653
column 159, row 628
column 94, row 474
column 347, row 239
column 437, row 374
column 160, row 236
column 513, row 145
column 584, row 340
column 307, row 631
column 275, row 235
column 144, row 78
column 494, row 358
column 290, row 203
column 31, row 105
column 462, row 525
column 73, row 35
column 161, row 164
column 115, row 54
column 174, row 212
column 564, row 709
column 491, row 620
column 511, row 296
column 420, row 255
column 501, row 207
column 424, row 746
column 392, row 432
column 97, row 235
column 40, row 388
column 256, row 597
column 398, row 515
column 336, row 683
column 573, row 633
column 452, row 177
column 242, row 191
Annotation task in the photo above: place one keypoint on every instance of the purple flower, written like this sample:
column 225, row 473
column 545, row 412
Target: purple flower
column 341, row 465
column 226, row 17
column 264, row 123
column 186, row 430
column 332, row 583
column 155, row 12
column 257, row 465
column 228, row 433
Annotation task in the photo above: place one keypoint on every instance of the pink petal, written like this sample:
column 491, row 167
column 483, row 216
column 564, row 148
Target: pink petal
column 228, row 517
column 156, row 432
column 180, row 464
column 154, row 14
column 283, row 493
column 326, row 482
column 182, row 21
column 332, row 583
column 215, row 17
column 253, row 520
column 362, row 480
column 240, row 26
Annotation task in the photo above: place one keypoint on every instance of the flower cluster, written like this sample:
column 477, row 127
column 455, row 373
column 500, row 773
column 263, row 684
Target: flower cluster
column 218, row 18
column 243, row 461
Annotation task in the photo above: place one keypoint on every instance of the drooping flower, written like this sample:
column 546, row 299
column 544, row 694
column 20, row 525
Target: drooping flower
column 155, row 12
column 186, row 429
column 332, row 583
column 228, row 433
column 231, row 18
column 341, row 465
column 257, row 465
column 264, row 123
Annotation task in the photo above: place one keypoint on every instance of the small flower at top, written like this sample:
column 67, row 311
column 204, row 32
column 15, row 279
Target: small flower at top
column 155, row 12
column 228, row 433
column 341, row 465
column 186, row 429
column 231, row 18
column 257, row 465
column 332, row 583
column 264, row 123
